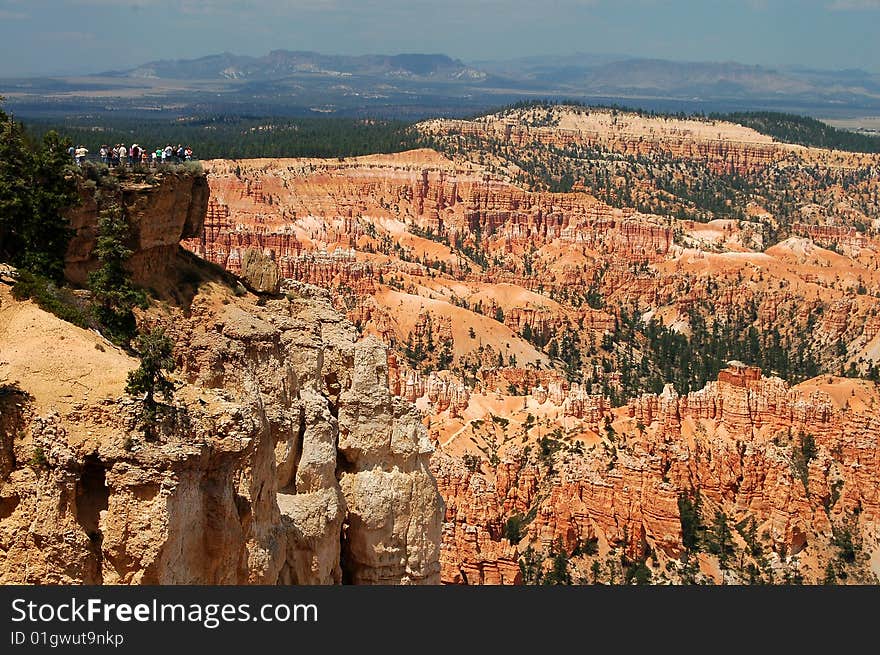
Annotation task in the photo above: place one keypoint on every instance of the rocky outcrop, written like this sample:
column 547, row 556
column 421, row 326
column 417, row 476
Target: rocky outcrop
column 440, row 198
column 282, row 457
column 259, row 271
column 285, row 459
column 739, row 400
column 723, row 151
column 474, row 552
column 160, row 213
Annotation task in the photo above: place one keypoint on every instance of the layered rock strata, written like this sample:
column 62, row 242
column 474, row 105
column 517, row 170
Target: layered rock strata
column 282, row 457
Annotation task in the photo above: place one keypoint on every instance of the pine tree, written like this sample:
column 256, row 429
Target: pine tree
column 721, row 539
column 15, row 173
column 36, row 186
column 689, row 515
column 830, row 575
column 110, row 284
column 155, row 350
column 558, row 573
column 53, row 190
column 531, row 566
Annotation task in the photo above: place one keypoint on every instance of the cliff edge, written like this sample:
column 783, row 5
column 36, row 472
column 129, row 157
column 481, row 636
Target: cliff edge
column 282, row 459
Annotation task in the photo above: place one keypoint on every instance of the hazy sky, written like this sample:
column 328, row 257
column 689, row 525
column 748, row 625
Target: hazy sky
column 67, row 36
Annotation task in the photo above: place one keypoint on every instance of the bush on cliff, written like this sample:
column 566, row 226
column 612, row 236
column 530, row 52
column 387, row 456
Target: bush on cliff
column 52, row 298
column 112, row 290
column 149, row 379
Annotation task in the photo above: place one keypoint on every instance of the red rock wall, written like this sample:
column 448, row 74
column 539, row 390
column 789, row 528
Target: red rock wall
column 632, row 499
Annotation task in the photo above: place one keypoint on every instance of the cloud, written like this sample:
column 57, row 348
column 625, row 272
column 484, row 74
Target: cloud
column 854, row 5
column 7, row 14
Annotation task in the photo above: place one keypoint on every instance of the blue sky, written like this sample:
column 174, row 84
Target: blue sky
column 71, row 36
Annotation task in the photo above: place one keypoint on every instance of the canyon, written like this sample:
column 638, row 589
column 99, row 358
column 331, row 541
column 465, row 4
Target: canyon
column 626, row 348
column 478, row 278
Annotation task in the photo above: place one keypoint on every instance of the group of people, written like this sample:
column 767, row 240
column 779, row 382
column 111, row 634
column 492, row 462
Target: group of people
column 120, row 155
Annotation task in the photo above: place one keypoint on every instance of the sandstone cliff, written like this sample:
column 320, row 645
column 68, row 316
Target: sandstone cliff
column 161, row 213
column 457, row 267
column 282, row 458
column 736, row 442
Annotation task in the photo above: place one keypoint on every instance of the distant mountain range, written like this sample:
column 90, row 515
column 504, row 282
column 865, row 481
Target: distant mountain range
column 607, row 75
column 279, row 64
column 584, row 74
column 285, row 82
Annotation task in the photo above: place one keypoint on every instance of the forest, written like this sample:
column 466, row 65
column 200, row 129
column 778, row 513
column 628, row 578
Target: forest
column 803, row 130
column 228, row 137
column 243, row 137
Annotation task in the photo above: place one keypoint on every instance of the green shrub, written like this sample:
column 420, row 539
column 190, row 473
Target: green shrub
column 191, row 167
column 471, row 462
column 95, row 172
column 155, row 350
column 53, row 299
column 548, row 446
column 843, row 540
column 39, row 459
column 513, row 528
column 638, row 573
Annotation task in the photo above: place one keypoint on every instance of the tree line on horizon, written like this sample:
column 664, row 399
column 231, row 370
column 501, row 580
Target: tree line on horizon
column 225, row 137
column 244, row 137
